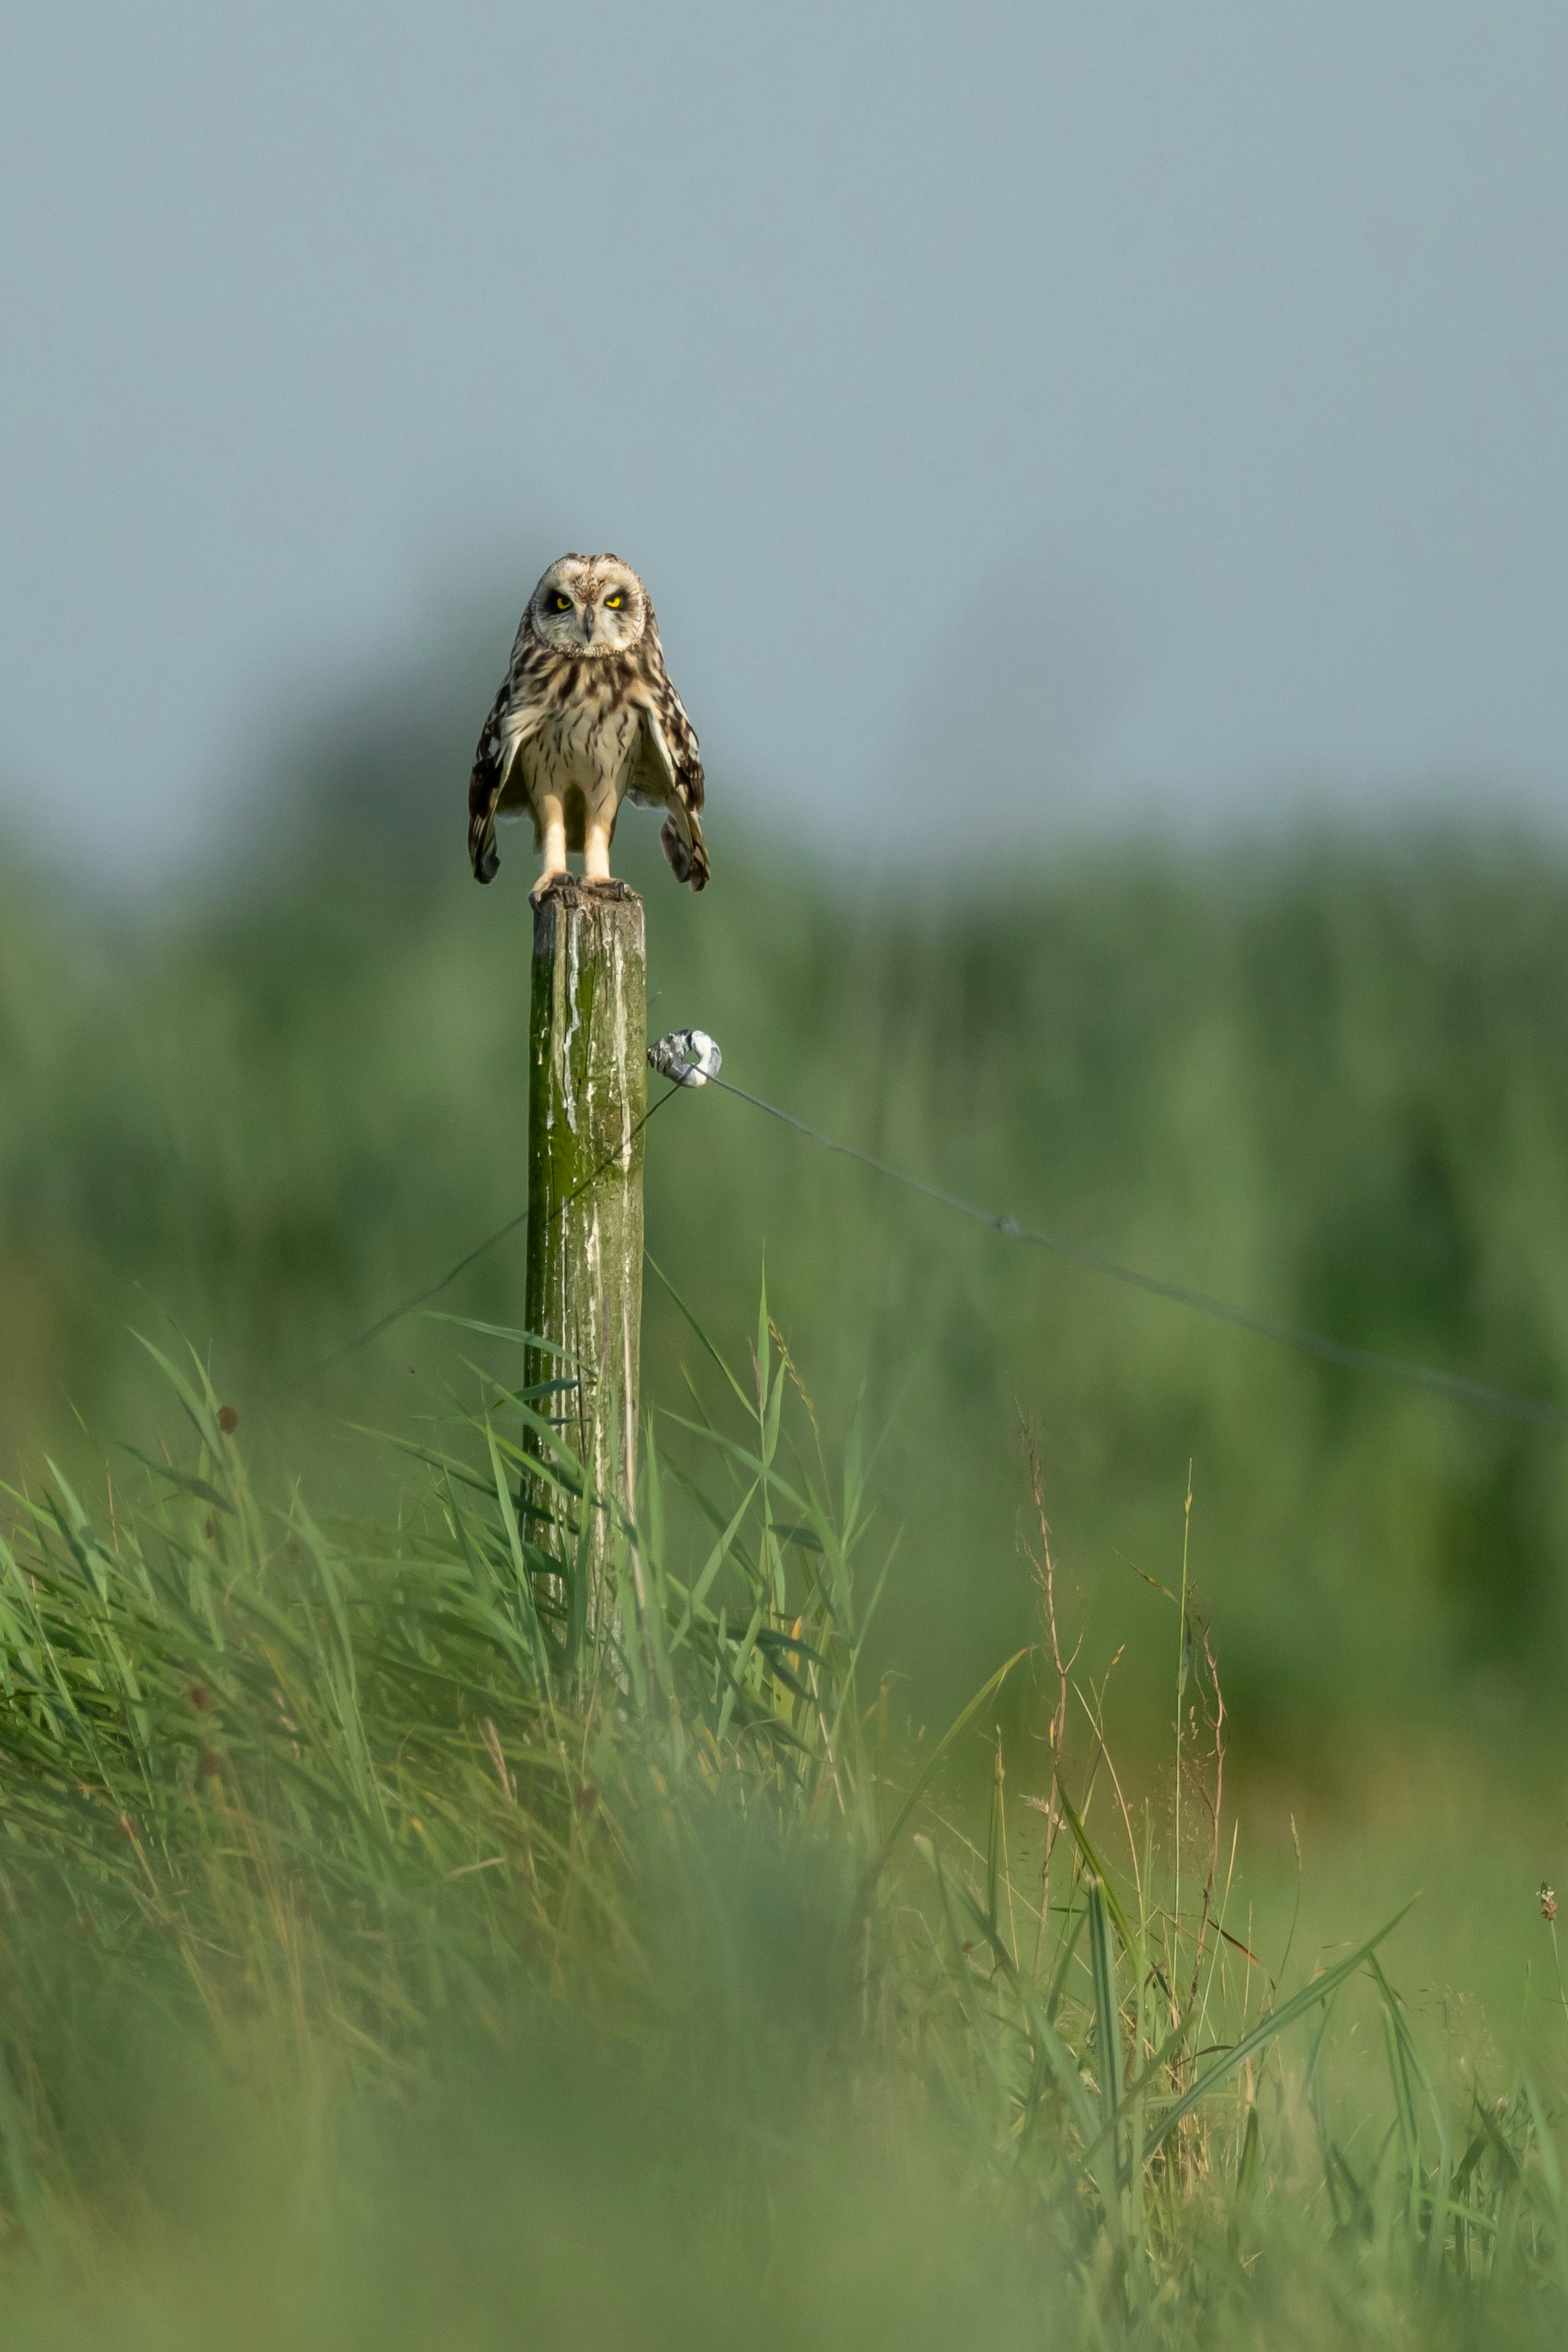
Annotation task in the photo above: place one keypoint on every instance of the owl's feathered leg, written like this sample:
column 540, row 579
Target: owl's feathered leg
column 549, row 814
column 596, row 832
column 680, row 837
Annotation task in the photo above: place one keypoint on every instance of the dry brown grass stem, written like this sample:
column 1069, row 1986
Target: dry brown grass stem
column 1044, row 1566
column 1216, row 1791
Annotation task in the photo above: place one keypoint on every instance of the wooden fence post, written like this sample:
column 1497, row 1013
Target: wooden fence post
column 588, row 1091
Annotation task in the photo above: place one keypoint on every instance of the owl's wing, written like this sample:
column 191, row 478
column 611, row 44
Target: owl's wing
column 669, row 774
column 671, row 762
column 517, row 712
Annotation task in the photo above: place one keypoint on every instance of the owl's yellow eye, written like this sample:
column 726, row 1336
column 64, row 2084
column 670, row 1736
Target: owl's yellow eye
column 614, row 603
column 562, row 603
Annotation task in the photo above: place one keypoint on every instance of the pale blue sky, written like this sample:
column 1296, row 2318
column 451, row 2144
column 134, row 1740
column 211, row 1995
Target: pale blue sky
column 1151, row 413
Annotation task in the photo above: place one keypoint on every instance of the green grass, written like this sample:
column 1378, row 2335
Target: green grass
column 386, row 1961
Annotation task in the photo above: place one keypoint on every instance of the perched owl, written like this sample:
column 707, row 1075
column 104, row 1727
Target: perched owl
column 587, row 715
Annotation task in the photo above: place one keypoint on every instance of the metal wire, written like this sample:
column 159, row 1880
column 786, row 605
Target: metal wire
column 1285, row 1335
column 1429, row 1377
column 423, row 1297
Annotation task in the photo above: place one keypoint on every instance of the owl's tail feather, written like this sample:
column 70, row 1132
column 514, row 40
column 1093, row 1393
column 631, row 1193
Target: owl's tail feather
column 684, row 848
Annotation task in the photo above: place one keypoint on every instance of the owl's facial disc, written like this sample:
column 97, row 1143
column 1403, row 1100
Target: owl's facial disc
column 589, row 604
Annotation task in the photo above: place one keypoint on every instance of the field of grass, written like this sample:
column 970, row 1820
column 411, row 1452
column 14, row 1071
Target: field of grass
column 377, row 1964
column 383, row 1960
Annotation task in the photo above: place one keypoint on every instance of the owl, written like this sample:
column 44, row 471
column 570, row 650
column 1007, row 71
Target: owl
column 586, row 717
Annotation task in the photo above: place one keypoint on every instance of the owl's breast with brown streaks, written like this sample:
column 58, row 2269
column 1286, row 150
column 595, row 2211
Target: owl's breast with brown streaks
column 588, row 737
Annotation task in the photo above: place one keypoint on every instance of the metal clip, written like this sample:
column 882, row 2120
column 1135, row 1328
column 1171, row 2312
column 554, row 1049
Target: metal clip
column 690, row 1056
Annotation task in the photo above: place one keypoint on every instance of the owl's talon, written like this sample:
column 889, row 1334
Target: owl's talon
column 546, row 884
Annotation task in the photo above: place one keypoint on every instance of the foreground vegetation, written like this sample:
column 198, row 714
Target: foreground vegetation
column 384, row 1959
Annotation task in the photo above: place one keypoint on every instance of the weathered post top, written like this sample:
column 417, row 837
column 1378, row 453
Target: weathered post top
column 588, row 1083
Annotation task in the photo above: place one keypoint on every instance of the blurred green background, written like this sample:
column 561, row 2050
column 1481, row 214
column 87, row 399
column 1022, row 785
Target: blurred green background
column 1326, row 1080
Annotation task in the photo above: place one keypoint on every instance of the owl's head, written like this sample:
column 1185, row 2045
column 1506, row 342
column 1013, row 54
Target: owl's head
column 589, row 604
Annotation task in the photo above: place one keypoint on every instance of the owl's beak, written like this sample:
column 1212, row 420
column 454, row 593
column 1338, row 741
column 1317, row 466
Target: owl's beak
column 588, row 620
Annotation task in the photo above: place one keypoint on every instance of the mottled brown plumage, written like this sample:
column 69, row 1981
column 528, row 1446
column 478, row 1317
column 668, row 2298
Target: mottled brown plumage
column 588, row 717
